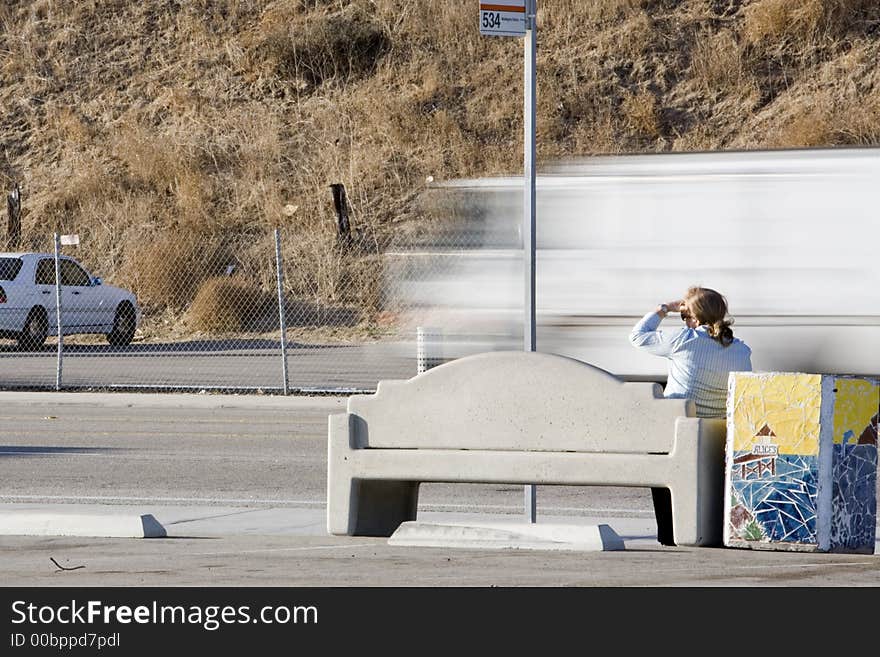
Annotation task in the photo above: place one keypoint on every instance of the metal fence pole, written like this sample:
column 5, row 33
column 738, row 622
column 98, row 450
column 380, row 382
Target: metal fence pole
column 428, row 342
column 58, row 311
column 281, row 318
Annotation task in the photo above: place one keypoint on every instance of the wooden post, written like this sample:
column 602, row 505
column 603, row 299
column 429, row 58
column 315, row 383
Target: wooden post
column 13, row 224
column 343, row 227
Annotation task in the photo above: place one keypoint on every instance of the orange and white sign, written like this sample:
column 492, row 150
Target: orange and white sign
column 503, row 18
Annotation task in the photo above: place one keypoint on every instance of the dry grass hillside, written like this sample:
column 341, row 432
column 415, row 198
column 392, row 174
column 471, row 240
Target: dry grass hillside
column 174, row 135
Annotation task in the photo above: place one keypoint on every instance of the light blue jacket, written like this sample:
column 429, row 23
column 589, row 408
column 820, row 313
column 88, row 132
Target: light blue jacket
column 698, row 364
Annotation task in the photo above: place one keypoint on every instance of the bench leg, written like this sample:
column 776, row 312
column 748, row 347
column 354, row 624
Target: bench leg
column 362, row 507
column 381, row 506
column 685, row 517
column 662, row 501
column 697, row 492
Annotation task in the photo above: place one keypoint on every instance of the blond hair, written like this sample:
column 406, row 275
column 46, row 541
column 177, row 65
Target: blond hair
column 709, row 308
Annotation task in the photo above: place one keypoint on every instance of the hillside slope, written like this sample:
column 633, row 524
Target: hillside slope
column 174, row 136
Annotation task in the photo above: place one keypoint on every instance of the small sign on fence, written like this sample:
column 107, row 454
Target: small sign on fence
column 70, row 240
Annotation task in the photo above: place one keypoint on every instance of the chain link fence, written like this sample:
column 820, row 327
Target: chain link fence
column 270, row 310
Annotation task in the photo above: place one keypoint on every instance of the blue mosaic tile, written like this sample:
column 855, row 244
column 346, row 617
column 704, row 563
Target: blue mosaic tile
column 782, row 506
column 854, row 517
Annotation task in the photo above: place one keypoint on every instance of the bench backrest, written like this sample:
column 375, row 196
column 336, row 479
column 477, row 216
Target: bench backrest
column 517, row 400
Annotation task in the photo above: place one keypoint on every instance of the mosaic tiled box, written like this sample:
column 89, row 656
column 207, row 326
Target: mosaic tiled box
column 801, row 462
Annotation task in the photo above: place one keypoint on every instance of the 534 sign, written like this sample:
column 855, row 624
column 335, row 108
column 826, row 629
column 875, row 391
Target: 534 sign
column 503, row 18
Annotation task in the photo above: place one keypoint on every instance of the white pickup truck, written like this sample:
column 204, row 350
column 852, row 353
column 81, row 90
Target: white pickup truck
column 29, row 301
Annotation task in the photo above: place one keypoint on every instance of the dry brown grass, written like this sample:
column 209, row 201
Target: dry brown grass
column 824, row 122
column 640, row 112
column 635, row 37
column 774, row 21
column 839, row 105
column 595, row 11
column 69, row 126
column 808, row 130
column 598, row 136
column 313, row 48
column 798, row 24
column 701, row 137
column 717, row 63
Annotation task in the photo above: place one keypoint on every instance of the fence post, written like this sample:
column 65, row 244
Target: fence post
column 281, row 319
column 58, row 311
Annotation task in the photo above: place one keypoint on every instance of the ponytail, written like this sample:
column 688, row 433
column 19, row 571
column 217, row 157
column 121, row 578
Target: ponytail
column 721, row 331
column 710, row 310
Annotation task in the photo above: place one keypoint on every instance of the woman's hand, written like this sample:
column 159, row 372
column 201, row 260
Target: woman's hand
column 669, row 307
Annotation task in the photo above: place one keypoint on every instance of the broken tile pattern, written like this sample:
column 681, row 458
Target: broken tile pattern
column 780, row 508
column 854, row 465
column 854, row 500
column 775, row 421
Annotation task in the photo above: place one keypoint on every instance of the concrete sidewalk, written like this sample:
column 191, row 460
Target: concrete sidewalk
column 228, row 521
column 202, row 521
column 289, row 547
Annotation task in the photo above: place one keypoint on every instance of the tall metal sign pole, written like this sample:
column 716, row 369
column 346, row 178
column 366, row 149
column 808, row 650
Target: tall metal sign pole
column 58, row 324
column 529, row 207
column 517, row 18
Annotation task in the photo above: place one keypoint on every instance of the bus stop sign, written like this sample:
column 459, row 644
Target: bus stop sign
column 503, row 18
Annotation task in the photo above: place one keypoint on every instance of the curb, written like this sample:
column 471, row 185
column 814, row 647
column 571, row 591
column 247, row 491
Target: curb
column 101, row 525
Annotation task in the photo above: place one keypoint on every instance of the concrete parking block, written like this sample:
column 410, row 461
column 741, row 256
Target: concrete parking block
column 495, row 536
column 104, row 525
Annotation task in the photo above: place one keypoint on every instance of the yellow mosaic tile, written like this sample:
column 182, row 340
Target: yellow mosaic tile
column 788, row 404
column 855, row 404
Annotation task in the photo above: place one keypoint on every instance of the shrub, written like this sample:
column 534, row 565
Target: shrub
column 226, row 305
column 327, row 46
column 641, row 114
column 774, row 21
column 717, row 62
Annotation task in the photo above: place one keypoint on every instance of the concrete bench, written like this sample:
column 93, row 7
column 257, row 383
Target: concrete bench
column 516, row 417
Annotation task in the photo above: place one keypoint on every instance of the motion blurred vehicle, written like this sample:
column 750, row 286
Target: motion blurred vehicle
column 28, row 301
column 788, row 236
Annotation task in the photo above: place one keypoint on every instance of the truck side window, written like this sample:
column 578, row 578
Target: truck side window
column 73, row 274
column 45, row 272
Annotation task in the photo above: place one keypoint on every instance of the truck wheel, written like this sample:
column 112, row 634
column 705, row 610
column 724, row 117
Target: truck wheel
column 35, row 330
column 123, row 326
